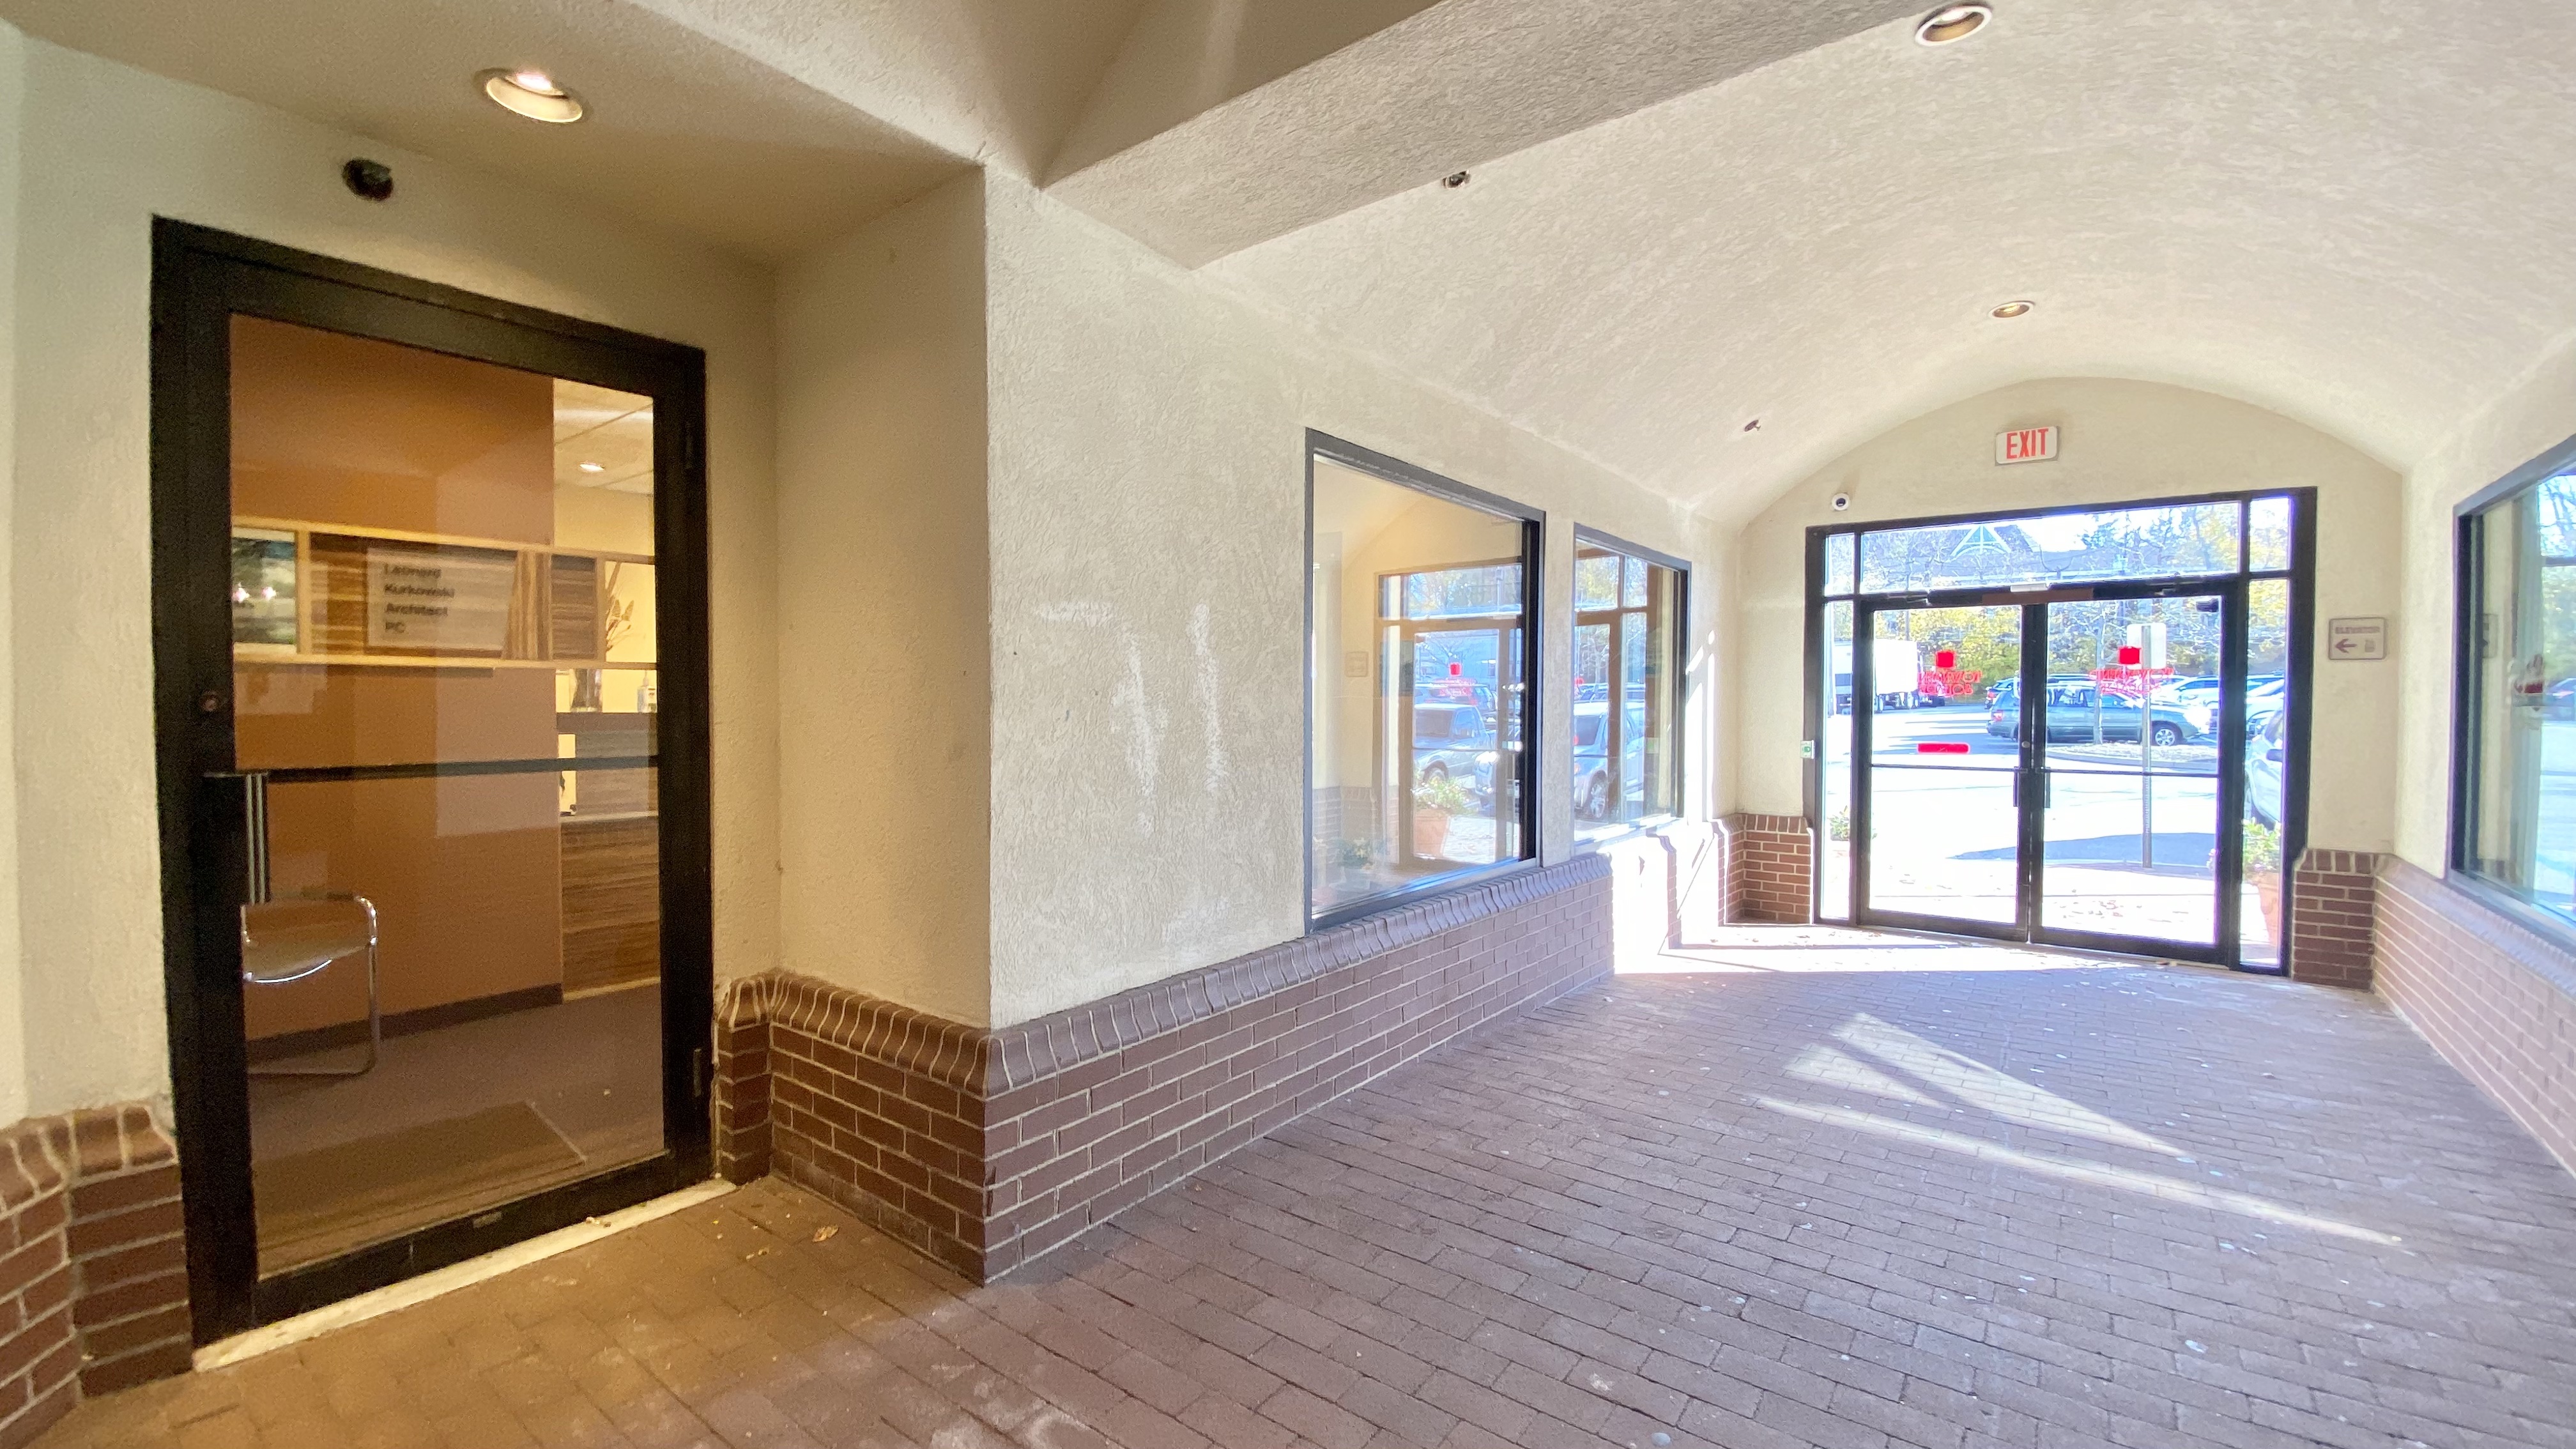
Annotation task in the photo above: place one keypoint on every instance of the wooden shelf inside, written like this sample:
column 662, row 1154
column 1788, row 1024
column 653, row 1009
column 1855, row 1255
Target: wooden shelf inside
column 561, row 609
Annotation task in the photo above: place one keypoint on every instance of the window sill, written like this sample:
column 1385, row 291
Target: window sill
column 2554, row 930
column 1651, row 825
column 1427, row 888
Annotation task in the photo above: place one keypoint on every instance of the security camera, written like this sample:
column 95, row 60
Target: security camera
column 1842, row 502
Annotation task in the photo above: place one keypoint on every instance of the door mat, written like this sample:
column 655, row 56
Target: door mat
column 314, row 1204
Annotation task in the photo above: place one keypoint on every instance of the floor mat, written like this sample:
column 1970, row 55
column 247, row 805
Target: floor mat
column 314, row 1204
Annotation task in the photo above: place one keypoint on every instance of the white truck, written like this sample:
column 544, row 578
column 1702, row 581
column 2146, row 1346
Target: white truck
column 1896, row 670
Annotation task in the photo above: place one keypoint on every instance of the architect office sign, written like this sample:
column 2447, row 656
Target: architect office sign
column 2026, row 445
column 439, row 601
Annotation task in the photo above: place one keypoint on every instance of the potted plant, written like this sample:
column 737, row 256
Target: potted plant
column 1434, row 801
column 1351, row 858
column 2263, row 868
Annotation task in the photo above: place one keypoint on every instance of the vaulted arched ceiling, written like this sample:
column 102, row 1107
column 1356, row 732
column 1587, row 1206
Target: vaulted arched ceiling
column 2357, row 214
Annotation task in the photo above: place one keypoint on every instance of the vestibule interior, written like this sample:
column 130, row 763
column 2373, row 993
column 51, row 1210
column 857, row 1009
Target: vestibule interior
column 443, row 600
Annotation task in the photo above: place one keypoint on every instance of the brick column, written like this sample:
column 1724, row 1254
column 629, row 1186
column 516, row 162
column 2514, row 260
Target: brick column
column 94, row 1281
column 2332, row 907
column 1770, row 866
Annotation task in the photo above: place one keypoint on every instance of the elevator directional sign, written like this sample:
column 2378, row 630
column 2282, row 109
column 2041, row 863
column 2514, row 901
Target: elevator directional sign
column 2357, row 638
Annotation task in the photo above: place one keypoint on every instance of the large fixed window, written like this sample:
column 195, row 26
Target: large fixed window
column 2515, row 791
column 1627, row 678
column 1423, row 610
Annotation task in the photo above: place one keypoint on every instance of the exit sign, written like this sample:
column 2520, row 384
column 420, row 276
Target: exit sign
column 2026, row 445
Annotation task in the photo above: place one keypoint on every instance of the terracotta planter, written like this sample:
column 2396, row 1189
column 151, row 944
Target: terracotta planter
column 1430, row 833
column 2267, row 890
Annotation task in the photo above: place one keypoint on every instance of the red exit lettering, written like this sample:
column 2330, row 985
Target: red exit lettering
column 2025, row 445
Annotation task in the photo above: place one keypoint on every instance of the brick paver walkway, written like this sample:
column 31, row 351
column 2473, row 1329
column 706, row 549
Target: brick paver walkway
column 2125, row 1206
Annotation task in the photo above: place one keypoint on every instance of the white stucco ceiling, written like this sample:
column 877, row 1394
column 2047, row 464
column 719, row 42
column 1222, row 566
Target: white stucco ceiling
column 683, row 130
column 2357, row 214
column 1185, row 148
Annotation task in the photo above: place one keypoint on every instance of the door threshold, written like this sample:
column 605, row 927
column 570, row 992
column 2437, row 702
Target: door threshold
column 287, row 1332
column 2090, row 953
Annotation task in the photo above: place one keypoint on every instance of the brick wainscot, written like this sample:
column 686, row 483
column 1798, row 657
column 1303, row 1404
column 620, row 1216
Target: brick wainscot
column 985, row 1148
column 94, row 1284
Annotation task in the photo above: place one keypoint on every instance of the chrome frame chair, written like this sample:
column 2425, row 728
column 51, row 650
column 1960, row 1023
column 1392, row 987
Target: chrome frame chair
column 288, row 965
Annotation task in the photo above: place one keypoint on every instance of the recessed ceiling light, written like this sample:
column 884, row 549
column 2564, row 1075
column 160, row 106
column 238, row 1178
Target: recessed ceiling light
column 530, row 93
column 1952, row 22
column 2010, row 310
column 593, row 468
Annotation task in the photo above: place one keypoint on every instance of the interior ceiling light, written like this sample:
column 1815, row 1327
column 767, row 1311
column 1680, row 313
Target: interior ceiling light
column 593, row 468
column 2010, row 310
column 1952, row 22
column 530, row 93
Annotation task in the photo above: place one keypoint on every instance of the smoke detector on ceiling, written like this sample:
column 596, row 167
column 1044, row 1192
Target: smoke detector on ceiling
column 1952, row 23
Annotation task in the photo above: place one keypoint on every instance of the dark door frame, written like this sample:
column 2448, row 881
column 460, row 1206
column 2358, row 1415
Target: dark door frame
column 2301, row 578
column 200, row 279
column 2031, row 770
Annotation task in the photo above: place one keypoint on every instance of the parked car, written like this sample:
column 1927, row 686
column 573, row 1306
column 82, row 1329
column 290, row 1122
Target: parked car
column 2088, row 712
column 2003, row 703
column 2266, row 761
column 2559, row 700
column 1592, row 759
column 2076, row 708
column 1452, row 740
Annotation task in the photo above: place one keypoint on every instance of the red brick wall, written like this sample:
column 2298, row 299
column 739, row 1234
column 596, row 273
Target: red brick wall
column 987, row 1148
column 93, row 1275
column 2331, row 907
column 1770, row 866
column 2495, row 998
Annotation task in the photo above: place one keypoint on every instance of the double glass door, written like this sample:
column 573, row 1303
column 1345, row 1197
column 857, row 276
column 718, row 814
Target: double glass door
column 2067, row 770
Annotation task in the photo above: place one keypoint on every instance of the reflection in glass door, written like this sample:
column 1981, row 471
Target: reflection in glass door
column 444, row 696
column 1940, row 788
column 427, row 943
column 2130, row 761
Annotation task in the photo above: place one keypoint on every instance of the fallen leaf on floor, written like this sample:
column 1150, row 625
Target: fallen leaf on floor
column 755, row 1253
column 824, row 1233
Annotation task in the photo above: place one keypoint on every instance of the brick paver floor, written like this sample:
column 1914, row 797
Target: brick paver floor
column 2126, row 1206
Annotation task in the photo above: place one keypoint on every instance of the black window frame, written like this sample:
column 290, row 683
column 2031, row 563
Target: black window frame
column 2299, row 574
column 1586, row 536
column 2468, row 580
column 1533, row 525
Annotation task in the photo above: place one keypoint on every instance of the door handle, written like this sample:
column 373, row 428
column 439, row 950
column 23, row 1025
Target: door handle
column 255, row 884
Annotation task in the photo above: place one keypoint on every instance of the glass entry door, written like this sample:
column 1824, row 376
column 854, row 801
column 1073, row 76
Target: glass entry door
column 431, row 591
column 2057, row 771
column 1940, row 790
column 2129, row 770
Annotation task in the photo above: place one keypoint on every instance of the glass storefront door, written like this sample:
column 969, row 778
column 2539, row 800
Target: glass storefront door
column 2104, row 766
column 438, row 770
column 1941, row 782
column 2129, row 769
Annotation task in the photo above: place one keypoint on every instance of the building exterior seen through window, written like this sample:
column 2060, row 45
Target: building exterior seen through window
column 1419, row 698
column 2516, row 796
column 1627, row 698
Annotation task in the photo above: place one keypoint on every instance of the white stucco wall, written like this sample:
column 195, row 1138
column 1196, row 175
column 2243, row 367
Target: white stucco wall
column 1148, row 573
column 13, row 1034
column 105, row 149
column 2119, row 441
column 2537, row 414
column 884, row 669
